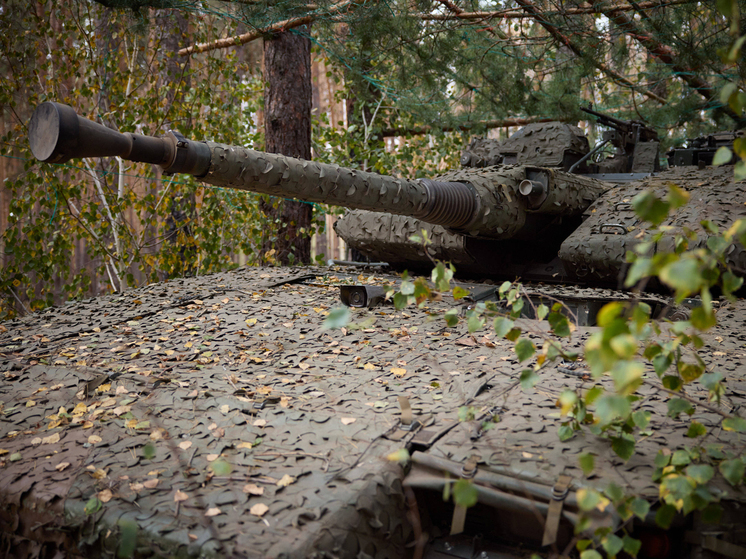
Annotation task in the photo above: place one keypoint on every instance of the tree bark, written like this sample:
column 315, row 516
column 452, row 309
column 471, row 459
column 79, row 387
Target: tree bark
column 287, row 117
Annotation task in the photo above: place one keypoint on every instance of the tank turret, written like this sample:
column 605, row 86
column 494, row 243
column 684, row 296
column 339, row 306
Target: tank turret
column 512, row 219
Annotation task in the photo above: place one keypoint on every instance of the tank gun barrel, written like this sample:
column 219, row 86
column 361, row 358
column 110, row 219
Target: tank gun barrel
column 493, row 203
column 57, row 134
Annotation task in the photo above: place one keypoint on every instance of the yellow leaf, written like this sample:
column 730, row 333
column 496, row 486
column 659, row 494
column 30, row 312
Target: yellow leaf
column 98, row 474
column 180, row 496
column 245, row 445
column 105, row 495
column 61, row 466
column 51, row 439
column 398, row 372
column 94, row 439
column 285, row 481
column 401, row 455
column 30, row 403
column 259, row 509
column 250, row 322
column 87, row 424
column 79, row 409
column 103, row 388
column 253, row 489
column 3, row 451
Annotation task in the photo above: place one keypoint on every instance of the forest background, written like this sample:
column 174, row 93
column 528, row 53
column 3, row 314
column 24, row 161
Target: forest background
column 398, row 87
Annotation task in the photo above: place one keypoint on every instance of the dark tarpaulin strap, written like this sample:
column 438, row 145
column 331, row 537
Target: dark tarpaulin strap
column 407, row 423
column 559, row 492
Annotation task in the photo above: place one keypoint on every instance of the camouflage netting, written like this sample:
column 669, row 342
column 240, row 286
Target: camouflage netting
column 216, row 416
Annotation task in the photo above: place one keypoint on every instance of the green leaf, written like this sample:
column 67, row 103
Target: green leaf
column 559, row 324
column 737, row 424
column 93, row 505
column 565, row 432
column 541, row 311
column 696, row 430
column 451, row 318
column 661, row 363
column 672, row 383
column 587, row 463
column 690, row 371
column 513, row 334
column 590, row 554
column 612, row 544
column 459, row 292
column 148, row 451
column 665, row 515
column 722, row 156
column 732, row 470
column 623, row 446
column 502, row 326
column 337, row 318
column 610, row 407
column 702, row 320
column 682, row 275
column 529, row 378
column 220, row 467
column 464, row 493
column 524, row 349
column 680, row 458
column 127, row 538
column 640, row 507
column 588, row 498
column 614, row 492
column 474, row 323
column 712, row 513
column 701, row 473
column 731, row 282
column 650, row 208
column 627, row 376
column 624, row 345
column 641, row 418
column 677, row 406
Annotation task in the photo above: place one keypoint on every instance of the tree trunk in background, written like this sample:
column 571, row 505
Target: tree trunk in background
column 287, row 124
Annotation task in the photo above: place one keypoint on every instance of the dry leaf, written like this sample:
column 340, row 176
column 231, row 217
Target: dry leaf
column 225, row 408
column 369, row 366
column 180, row 496
column 151, row 483
column 87, row 424
column 35, row 441
column 259, row 509
column 156, row 435
column 348, row 420
column 61, row 466
column 304, row 366
column 212, row 457
column 30, row 403
column 98, row 473
column 285, row 481
column 259, row 422
column 51, row 439
column 193, row 537
column 398, row 371
column 136, row 487
column 185, row 445
column 213, row 511
column 245, row 445
column 105, row 495
column 94, row 439
column 121, row 390
column 253, row 489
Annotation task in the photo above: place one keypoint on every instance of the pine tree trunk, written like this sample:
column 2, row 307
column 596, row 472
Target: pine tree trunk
column 287, row 116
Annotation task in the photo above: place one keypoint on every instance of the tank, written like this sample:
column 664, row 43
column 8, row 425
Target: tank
column 535, row 206
column 237, row 369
